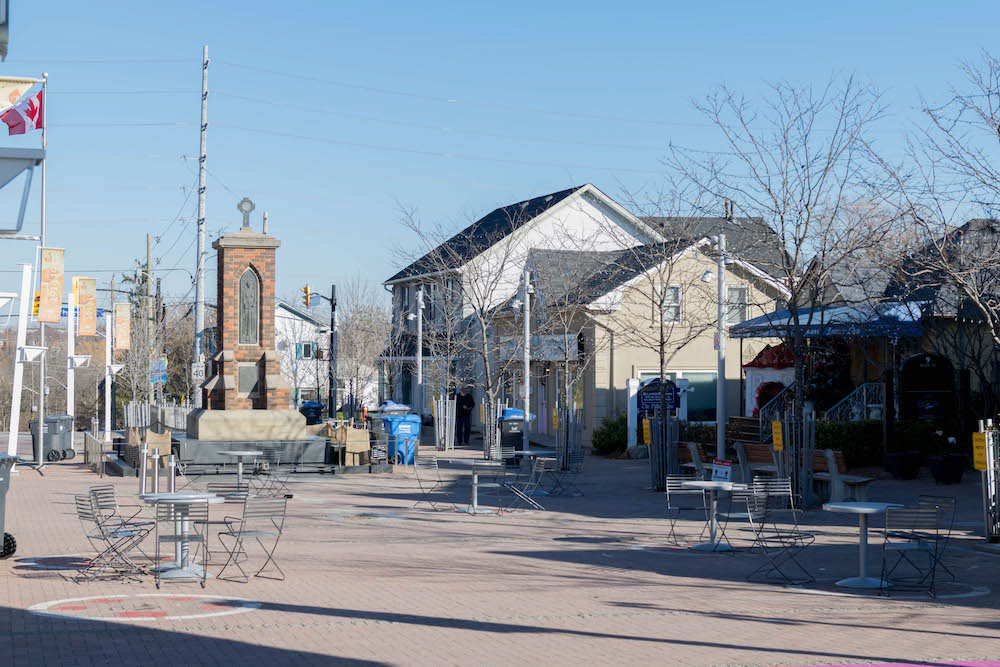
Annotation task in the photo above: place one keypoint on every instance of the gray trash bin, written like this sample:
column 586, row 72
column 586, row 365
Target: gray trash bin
column 9, row 545
column 58, row 443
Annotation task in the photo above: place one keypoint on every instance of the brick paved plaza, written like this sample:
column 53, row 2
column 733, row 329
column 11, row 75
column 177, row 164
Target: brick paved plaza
column 590, row 581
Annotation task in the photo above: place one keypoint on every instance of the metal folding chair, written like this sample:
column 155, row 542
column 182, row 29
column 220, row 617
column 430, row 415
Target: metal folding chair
column 780, row 497
column 263, row 520
column 756, row 514
column 563, row 476
column 675, row 493
column 497, row 476
column 946, row 506
column 429, row 480
column 192, row 530
column 911, row 535
column 523, row 490
column 112, row 542
column 267, row 477
column 111, row 515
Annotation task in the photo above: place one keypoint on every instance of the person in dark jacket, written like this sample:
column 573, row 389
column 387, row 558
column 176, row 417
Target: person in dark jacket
column 464, row 405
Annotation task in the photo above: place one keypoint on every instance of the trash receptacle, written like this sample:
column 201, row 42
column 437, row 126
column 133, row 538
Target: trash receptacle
column 404, row 437
column 58, row 433
column 393, row 408
column 512, row 431
column 9, row 545
column 312, row 410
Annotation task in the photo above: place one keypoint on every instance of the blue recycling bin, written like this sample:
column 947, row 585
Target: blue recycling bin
column 512, row 431
column 404, row 437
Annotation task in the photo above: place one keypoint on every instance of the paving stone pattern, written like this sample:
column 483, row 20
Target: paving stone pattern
column 590, row 581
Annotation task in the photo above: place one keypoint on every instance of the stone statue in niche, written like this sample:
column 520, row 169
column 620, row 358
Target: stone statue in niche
column 249, row 308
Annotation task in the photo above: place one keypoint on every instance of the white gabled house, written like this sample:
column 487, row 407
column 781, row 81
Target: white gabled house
column 303, row 342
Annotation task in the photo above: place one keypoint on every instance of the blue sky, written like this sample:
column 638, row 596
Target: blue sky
column 543, row 95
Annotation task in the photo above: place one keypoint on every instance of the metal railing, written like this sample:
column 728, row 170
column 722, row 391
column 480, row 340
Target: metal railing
column 865, row 402
column 774, row 410
column 444, row 423
column 94, row 455
column 991, row 482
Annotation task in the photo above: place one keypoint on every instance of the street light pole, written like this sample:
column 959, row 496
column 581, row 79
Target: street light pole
column 332, row 390
column 527, row 357
column 420, row 352
column 720, row 388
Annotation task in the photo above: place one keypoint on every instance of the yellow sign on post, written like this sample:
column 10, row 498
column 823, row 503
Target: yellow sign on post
column 555, row 419
column 777, row 436
column 979, row 451
column 646, row 436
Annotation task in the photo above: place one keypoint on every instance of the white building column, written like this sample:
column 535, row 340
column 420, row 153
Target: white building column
column 632, row 392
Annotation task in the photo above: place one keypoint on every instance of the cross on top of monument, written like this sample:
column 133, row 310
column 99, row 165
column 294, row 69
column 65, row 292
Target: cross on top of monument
column 245, row 207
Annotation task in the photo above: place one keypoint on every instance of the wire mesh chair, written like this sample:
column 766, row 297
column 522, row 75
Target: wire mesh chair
column 946, row 507
column 429, row 480
column 267, row 477
column 111, row 542
column 756, row 515
column 780, row 497
column 911, row 535
column 263, row 521
column 562, row 478
column 180, row 527
column 523, row 490
column 676, row 492
column 110, row 515
column 496, row 474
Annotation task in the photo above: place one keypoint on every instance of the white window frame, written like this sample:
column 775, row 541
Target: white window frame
column 746, row 303
column 679, row 305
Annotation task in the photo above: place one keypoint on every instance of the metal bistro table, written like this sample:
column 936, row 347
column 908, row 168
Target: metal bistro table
column 474, row 501
column 862, row 510
column 182, row 568
column 239, row 455
column 713, row 521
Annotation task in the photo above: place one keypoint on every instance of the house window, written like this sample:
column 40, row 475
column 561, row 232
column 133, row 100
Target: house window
column 672, row 304
column 306, row 350
column 429, row 301
column 736, row 300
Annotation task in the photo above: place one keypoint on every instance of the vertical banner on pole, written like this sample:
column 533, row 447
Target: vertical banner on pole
column 86, row 299
column 50, row 301
column 123, row 322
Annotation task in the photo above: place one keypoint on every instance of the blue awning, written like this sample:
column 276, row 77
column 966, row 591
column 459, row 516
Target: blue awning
column 898, row 319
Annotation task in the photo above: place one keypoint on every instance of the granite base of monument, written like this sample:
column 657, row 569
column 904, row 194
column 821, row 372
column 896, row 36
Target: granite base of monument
column 310, row 450
column 235, row 425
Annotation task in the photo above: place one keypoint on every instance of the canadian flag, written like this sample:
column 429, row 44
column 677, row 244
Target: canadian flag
column 27, row 114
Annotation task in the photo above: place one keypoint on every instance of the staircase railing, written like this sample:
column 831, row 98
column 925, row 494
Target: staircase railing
column 865, row 402
column 775, row 409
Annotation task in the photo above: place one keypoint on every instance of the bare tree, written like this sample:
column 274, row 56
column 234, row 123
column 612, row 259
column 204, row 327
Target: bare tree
column 365, row 327
column 800, row 162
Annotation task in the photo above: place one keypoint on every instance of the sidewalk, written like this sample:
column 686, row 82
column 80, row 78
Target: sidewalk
column 590, row 581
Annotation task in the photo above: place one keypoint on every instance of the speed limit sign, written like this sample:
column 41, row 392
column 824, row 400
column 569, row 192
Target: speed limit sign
column 198, row 372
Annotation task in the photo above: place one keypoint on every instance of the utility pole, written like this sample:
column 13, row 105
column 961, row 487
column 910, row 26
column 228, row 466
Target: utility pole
column 199, row 280
column 332, row 389
column 158, row 320
column 420, row 352
column 70, row 352
column 527, row 357
column 720, row 384
column 109, row 318
column 148, row 284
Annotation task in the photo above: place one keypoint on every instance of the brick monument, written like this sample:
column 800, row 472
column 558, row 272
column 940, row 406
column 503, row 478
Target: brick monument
column 245, row 397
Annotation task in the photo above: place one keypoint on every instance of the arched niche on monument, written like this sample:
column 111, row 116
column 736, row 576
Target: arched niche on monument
column 249, row 312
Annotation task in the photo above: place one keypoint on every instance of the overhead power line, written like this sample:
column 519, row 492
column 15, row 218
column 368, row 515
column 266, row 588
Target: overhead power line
column 416, row 151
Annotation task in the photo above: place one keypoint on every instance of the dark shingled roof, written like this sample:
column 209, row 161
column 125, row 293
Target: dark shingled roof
column 750, row 239
column 573, row 277
column 482, row 234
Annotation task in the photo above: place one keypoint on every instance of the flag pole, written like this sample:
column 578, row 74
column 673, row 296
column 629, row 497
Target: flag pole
column 39, row 458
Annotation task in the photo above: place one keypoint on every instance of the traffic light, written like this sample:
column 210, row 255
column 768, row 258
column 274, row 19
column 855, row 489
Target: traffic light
column 306, row 294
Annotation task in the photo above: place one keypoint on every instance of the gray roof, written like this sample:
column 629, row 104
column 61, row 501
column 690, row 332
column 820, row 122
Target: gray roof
column 482, row 234
column 750, row 239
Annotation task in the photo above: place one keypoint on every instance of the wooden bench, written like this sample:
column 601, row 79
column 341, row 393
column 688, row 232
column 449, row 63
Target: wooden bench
column 755, row 458
column 831, row 467
column 691, row 456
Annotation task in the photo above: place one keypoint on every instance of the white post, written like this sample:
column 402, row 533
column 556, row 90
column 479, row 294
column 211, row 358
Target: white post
column 22, row 334
column 109, row 318
column 70, row 351
column 40, row 459
column 199, row 280
column 720, row 383
column 526, row 384
column 420, row 352
column 632, row 391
